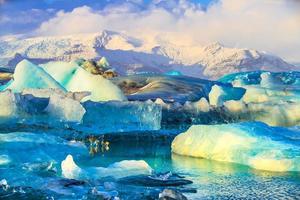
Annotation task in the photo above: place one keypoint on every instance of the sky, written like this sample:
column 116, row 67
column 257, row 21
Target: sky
column 266, row 25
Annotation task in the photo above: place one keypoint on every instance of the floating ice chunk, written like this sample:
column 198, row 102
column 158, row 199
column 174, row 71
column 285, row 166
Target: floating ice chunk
column 128, row 168
column 199, row 106
column 278, row 114
column 70, row 169
column 4, row 159
column 47, row 106
column 4, row 184
column 122, row 116
column 161, row 102
column 76, row 79
column 8, row 105
column 215, row 96
column 218, row 94
column 254, row 144
column 265, row 79
column 268, row 81
column 28, row 75
column 117, row 170
column 235, row 106
column 64, row 109
column 202, row 105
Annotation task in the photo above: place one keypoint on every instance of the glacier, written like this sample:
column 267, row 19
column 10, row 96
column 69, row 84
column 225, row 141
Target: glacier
column 254, row 144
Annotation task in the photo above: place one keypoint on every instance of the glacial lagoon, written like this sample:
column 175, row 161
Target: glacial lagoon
column 148, row 136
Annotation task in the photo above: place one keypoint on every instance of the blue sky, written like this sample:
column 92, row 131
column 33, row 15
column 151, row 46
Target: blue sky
column 21, row 16
column 266, row 25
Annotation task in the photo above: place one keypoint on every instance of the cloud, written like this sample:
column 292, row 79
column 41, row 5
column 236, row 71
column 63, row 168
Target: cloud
column 269, row 25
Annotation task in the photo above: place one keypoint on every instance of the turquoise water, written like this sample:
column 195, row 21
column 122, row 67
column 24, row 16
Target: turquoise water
column 211, row 180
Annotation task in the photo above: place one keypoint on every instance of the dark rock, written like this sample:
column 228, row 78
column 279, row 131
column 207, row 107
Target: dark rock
column 91, row 67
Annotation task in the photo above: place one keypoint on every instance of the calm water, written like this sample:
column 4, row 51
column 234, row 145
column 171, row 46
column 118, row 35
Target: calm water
column 211, row 180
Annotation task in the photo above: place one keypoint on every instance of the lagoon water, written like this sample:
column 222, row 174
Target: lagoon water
column 211, row 179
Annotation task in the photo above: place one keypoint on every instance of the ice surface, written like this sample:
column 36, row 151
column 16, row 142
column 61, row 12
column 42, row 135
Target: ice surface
column 122, row 116
column 218, row 94
column 28, row 75
column 273, row 98
column 76, row 79
column 45, row 106
column 117, row 170
column 55, row 108
column 288, row 79
column 252, row 143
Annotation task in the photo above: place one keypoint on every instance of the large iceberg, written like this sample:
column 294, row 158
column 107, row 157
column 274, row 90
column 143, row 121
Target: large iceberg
column 28, row 75
column 76, row 79
column 63, row 76
column 251, row 143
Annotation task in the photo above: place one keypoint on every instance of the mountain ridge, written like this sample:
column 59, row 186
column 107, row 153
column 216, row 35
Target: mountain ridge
column 132, row 55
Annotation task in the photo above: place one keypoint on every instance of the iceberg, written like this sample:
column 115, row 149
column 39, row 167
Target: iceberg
column 218, row 94
column 28, row 75
column 120, row 169
column 265, row 78
column 118, row 116
column 56, row 109
column 250, row 143
column 65, row 77
column 270, row 97
column 76, row 79
column 39, row 106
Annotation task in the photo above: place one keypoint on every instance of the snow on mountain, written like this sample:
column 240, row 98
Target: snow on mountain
column 130, row 55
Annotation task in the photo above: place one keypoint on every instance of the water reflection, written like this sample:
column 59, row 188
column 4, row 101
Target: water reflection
column 196, row 165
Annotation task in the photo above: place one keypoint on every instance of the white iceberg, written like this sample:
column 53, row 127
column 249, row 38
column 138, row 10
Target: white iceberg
column 254, row 144
column 121, row 169
column 219, row 94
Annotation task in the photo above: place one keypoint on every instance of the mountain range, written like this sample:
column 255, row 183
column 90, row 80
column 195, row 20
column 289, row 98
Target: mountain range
column 129, row 55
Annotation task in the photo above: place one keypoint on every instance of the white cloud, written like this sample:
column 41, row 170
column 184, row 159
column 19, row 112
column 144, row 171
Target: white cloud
column 270, row 25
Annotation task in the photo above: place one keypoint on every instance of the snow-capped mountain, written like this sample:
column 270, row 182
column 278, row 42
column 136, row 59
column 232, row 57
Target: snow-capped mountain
column 130, row 55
